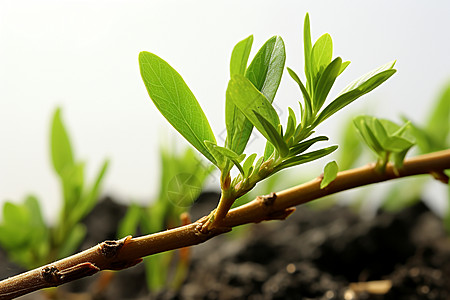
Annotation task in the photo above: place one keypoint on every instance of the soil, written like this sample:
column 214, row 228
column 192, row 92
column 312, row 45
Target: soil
column 314, row 254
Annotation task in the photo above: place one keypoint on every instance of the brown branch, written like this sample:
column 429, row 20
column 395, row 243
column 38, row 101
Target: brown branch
column 116, row 255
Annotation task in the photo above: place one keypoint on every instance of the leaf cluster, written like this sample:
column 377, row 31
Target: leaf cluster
column 23, row 232
column 385, row 138
column 249, row 97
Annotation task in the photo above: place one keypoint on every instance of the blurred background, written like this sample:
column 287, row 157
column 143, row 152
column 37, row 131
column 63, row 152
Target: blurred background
column 82, row 57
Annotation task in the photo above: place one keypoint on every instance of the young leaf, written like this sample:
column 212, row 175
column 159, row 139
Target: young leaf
column 325, row 82
column 268, row 150
column 248, row 99
column 321, row 55
column 329, row 174
column 304, row 158
column 303, row 146
column 224, row 153
column 274, row 136
column 248, row 164
column 343, row 67
column 266, row 68
column 176, row 102
column 130, row 222
column 292, row 122
column 306, row 97
column 239, row 56
column 307, row 49
column 363, row 87
column 264, row 72
column 61, row 149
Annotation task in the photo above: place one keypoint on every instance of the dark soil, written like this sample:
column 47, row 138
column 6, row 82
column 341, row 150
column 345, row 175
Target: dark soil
column 314, row 254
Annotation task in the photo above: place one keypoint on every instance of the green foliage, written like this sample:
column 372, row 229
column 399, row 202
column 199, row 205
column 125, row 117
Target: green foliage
column 249, row 97
column 176, row 102
column 385, row 138
column 23, row 233
column 329, row 174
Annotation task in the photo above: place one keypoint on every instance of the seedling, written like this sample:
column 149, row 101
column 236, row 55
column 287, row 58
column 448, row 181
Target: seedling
column 29, row 240
column 250, row 93
column 249, row 97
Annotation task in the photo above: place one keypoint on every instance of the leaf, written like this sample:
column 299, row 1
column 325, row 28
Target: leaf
column 303, row 146
column 88, row 201
column 329, row 174
column 358, row 90
column 248, row 99
column 306, row 97
column 266, row 68
column 321, row 55
column 343, row 67
column 224, row 153
column 326, row 81
column 438, row 125
column 274, row 136
column 130, row 222
column 176, row 102
column 304, row 158
column 268, row 150
column 61, row 150
column 363, row 127
column 292, row 122
column 239, row 56
column 265, row 73
column 307, row 48
column 248, row 164
column 363, row 79
column 72, row 241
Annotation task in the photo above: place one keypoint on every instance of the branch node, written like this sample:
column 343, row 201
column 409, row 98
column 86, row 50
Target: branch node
column 268, row 200
column 110, row 249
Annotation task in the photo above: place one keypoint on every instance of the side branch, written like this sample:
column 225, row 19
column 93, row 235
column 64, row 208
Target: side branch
column 116, row 255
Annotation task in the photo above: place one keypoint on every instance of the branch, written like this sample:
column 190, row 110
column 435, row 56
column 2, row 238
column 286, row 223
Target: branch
column 116, row 255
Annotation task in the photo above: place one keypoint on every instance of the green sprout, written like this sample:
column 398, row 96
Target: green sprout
column 249, row 97
column 29, row 241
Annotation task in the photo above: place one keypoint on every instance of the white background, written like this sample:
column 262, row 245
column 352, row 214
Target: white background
column 82, row 56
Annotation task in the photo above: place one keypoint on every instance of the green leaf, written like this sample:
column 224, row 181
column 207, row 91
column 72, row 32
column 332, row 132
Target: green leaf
column 176, row 102
column 363, row 79
column 248, row 164
column 274, row 136
column 223, row 153
column 266, row 68
column 264, row 72
column 321, row 55
column 88, row 201
column 362, row 87
column 329, row 174
column 306, row 97
column 72, row 241
column 303, row 146
column 343, row 67
column 363, row 127
column 438, row 125
column 248, row 99
column 326, row 81
column 239, row 56
column 15, row 228
column 292, row 122
column 61, row 149
column 307, row 48
column 130, row 222
column 304, row 158
column 268, row 150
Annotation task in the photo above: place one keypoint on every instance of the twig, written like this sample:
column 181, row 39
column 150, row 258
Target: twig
column 116, row 255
